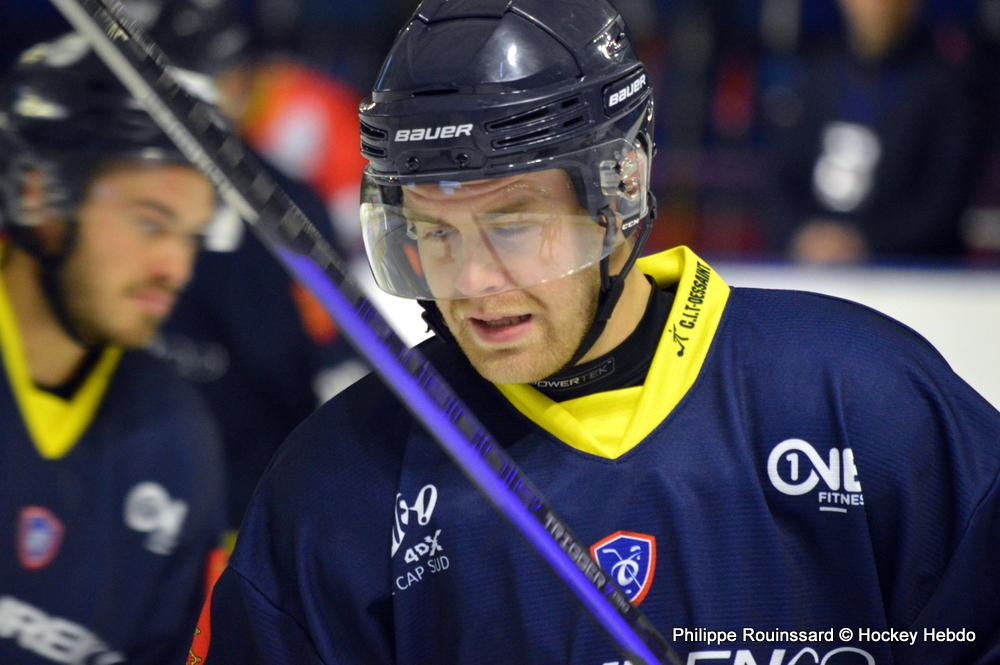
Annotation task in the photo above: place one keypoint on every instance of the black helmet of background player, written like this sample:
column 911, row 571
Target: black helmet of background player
column 63, row 115
column 197, row 35
column 208, row 43
column 491, row 88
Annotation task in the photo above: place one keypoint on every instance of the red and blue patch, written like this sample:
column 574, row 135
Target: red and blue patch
column 39, row 536
column 630, row 559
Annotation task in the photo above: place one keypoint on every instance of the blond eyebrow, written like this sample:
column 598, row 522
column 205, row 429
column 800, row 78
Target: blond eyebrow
column 422, row 218
column 518, row 206
column 172, row 217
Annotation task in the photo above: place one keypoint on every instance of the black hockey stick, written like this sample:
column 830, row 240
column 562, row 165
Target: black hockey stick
column 205, row 140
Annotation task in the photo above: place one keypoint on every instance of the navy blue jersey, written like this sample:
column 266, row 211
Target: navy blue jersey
column 824, row 469
column 104, row 542
column 258, row 348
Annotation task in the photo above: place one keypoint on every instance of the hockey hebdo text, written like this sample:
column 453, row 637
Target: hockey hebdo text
column 751, row 635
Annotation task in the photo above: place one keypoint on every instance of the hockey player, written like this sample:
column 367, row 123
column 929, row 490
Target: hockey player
column 111, row 497
column 782, row 462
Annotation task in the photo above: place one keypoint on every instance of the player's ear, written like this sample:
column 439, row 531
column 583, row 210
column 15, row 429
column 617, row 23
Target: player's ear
column 36, row 213
column 32, row 197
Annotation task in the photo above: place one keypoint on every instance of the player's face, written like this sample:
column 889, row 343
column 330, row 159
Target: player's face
column 139, row 230
column 511, row 335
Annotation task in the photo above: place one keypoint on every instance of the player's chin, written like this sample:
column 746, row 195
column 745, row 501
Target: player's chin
column 510, row 366
column 138, row 334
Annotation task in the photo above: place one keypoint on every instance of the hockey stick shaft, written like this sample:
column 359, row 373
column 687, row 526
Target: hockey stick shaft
column 204, row 139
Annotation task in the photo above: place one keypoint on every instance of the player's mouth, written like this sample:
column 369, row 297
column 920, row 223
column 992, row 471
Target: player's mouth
column 500, row 329
column 156, row 302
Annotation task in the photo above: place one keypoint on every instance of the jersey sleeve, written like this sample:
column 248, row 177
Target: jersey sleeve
column 309, row 578
column 928, row 450
column 925, row 452
column 240, row 626
column 966, row 598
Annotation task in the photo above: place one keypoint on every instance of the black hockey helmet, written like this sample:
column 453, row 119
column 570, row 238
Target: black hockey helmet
column 62, row 113
column 474, row 90
column 204, row 36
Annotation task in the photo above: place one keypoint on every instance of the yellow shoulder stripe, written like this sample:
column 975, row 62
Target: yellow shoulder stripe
column 611, row 423
column 55, row 424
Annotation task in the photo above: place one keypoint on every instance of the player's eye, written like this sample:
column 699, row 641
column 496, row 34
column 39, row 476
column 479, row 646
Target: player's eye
column 514, row 228
column 150, row 227
column 430, row 232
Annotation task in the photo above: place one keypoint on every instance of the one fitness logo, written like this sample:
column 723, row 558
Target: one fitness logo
column 149, row 509
column 795, row 468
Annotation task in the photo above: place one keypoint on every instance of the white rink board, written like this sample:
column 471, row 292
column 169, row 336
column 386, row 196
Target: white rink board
column 958, row 311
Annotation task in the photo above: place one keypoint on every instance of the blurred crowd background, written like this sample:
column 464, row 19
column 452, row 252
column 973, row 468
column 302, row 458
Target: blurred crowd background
column 820, row 131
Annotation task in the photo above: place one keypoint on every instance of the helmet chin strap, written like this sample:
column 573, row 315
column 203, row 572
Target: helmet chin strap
column 612, row 287
column 435, row 322
column 51, row 266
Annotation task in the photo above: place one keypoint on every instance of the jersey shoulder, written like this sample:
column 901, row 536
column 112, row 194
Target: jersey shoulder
column 809, row 358
column 147, row 396
column 154, row 381
column 357, row 443
column 371, row 423
column 808, row 330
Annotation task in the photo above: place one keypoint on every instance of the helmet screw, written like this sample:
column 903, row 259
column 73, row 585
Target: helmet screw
column 413, row 163
column 462, row 159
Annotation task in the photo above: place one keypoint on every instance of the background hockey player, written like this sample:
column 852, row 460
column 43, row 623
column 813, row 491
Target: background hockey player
column 256, row 344
column 111, row 497
column 735, row 457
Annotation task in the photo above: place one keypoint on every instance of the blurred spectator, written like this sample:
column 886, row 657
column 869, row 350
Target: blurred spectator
column 876, row 156
column 306, row 123
column 722, row 70
column 981, row 228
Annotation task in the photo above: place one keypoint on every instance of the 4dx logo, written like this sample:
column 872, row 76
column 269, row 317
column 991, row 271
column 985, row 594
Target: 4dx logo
column 427, row 548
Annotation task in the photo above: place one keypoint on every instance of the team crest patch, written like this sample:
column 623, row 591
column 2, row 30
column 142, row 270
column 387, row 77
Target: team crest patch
column 39, row 537
column 630, row 559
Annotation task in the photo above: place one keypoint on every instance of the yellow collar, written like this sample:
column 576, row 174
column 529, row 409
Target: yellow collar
column 611, row 423
column 55, row 424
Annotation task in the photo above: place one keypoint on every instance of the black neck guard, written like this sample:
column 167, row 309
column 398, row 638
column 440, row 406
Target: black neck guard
column 51, row 265
column 624, row 366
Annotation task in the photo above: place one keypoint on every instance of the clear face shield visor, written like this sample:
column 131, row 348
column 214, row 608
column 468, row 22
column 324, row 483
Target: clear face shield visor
column 448, row 239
